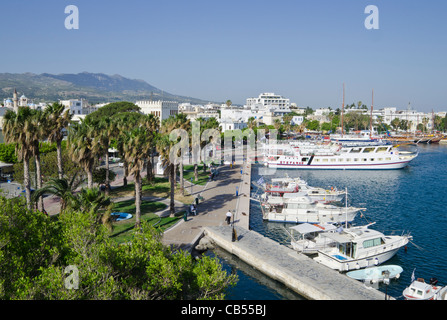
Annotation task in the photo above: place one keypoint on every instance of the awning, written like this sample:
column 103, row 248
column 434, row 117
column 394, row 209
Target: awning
column 340, row 238
column 308, row 228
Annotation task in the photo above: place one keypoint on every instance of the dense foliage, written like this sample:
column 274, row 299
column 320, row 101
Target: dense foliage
column 35, row 251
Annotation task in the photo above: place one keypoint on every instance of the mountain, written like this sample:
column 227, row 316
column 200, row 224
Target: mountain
column 95, row 87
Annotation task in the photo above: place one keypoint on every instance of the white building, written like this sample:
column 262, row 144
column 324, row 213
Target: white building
column 76, row 106
column 268, row 99
column 161, row 109
column 227, row 124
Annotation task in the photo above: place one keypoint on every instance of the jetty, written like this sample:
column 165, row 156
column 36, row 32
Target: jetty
column 230, row 191
column 297, row 271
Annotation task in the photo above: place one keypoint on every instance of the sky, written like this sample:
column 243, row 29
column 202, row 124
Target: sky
column 215, row 50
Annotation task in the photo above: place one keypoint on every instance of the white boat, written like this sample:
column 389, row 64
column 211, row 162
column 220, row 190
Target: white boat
column 280, row 186
column 376, row 274
column 305, row 237
column 300, row 208
column 336, row 156
column 420, row 290
column 359, row 247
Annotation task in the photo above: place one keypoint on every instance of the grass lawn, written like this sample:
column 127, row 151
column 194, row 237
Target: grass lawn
column 122, row 230
column 188, row 173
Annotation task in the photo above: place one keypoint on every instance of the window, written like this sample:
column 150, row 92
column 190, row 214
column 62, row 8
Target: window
column 372, row 243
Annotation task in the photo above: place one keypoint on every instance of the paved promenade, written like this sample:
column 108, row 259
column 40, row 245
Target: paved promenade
column 219, row 197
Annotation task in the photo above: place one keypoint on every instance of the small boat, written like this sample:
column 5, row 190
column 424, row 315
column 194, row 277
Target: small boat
column 420, row 290
column 376, row 274
column 359, row 247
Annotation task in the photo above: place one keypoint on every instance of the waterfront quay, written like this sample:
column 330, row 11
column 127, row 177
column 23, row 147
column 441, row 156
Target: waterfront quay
column 230, row 191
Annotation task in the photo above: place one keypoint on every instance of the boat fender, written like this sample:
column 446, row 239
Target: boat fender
column 376, row 261
column 357, row 266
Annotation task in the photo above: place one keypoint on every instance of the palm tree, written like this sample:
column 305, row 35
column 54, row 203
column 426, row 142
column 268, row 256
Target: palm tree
column 16, row 129
column 152, row 124
column 57, row 120
column 134, row 144
column 38, row 131
column 124, row 122
column 164, row 146
column 61, row 188
column 83, row 148
column 106, row 131
column 94, row 201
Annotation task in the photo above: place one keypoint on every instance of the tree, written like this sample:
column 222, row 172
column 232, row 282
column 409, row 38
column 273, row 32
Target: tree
column 152, row 124
column 134, row 146
column 57, row 121
column 395, row 123
column 125, row 122
column 228, row 103
column 106, row 131
column 82, row 147
column 62, row 188
column 17, row 128
column 36, row 250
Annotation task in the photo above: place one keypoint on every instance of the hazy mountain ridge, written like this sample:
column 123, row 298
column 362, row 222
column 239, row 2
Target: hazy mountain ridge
column 95, row 87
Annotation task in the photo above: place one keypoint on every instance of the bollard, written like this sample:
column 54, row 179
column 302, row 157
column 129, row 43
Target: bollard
column 237, row 191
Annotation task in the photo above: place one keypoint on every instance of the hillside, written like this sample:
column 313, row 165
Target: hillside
column 95, row 87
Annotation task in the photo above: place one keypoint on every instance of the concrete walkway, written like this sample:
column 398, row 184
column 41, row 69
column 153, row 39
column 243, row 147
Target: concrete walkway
column 219, row 197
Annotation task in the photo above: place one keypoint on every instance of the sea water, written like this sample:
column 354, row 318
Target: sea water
column 413, row 199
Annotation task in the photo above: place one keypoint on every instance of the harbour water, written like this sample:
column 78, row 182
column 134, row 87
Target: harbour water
column 413, row 200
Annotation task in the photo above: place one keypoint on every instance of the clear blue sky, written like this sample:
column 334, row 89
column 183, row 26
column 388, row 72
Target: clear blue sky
column 219, row 50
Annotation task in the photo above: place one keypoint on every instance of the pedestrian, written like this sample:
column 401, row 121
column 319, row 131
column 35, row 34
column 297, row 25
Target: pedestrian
column 192, row 209
column 228, row 216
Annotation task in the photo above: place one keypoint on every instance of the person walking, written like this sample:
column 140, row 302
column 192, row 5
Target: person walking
column 228, row 217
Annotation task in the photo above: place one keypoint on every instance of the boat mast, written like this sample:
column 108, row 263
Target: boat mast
column 371, row 118
column 342, row 112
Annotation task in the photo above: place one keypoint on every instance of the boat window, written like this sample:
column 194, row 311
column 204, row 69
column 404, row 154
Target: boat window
column 325, row 160
column 388, row 158
column 348, row 160
column 372, row 243
column 332, row 160
column 305, row 159
column 368, row 150
column 355, row 150
column 382, row 149
column 356, row 159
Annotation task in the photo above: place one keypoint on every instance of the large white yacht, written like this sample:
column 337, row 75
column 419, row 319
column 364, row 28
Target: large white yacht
column 359, row 247
column 354, row 156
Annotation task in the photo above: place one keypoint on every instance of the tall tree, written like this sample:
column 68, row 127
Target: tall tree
column 38, row 132
column 83, row 148
column 57, row 121
column 134, row 145
column 16, row 129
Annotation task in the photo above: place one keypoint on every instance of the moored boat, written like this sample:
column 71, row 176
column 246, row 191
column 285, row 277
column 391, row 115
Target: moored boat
column 359, row 247
column 376, row 274
column 353, row 156
column 299, row 208
column 420, row 290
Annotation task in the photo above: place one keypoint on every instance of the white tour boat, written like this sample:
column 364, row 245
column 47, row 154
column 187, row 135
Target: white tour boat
column 420, row 290
column 358, row 156
column 299, row 208
column 359, row 247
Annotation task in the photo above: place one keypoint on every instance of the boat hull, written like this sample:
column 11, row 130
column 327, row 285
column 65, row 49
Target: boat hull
column 375, row 166
column 340, row 263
